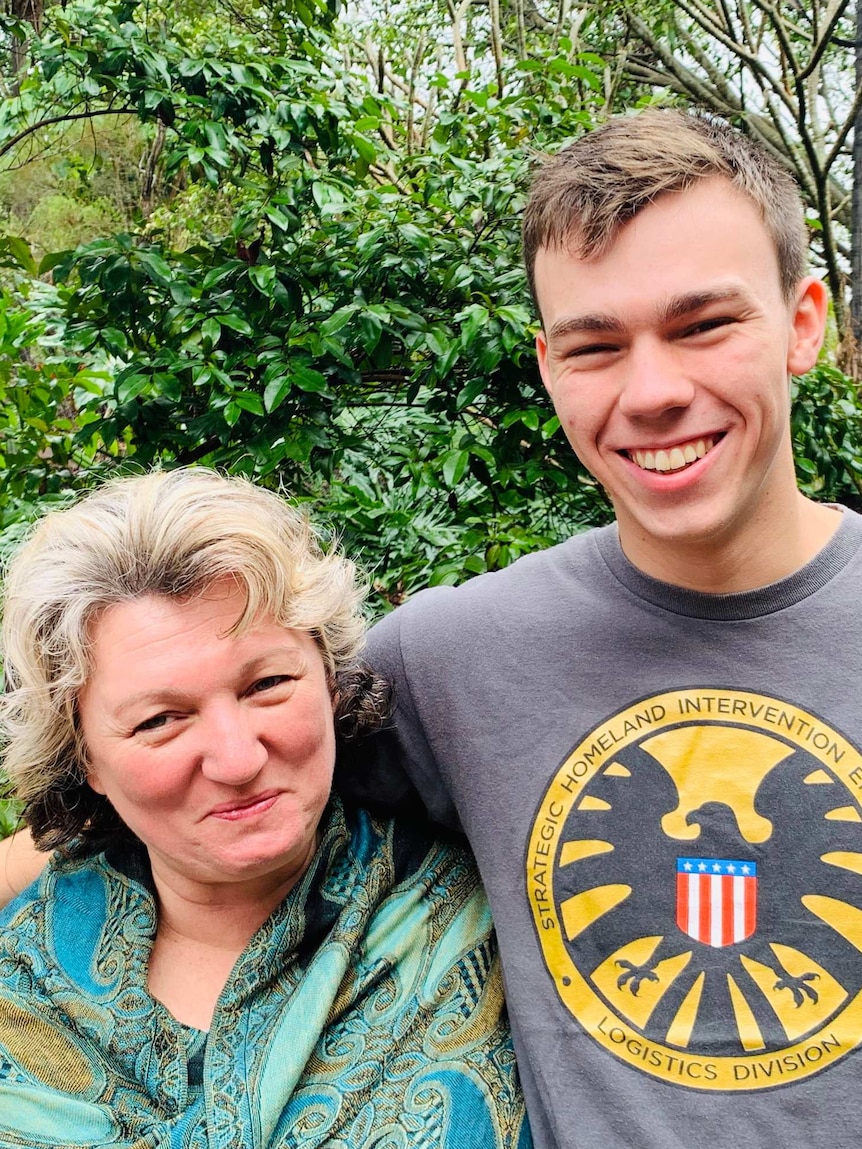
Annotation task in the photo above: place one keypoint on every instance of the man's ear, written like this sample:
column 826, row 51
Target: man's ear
column 808, row 325
column 542, row 357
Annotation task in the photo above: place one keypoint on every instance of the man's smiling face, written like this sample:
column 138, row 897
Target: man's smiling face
column 667, row 359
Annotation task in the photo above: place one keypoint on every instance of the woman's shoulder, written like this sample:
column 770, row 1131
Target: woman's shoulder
column 406, row 871
column 411, row 845
column 63, row 914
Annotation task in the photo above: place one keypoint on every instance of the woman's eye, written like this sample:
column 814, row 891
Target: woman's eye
column 155, row 723
column 271, row 680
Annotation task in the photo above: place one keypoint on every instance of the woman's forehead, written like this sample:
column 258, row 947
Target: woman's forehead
column 161, row 633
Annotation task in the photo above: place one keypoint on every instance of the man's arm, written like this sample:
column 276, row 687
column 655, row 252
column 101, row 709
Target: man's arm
column 20, row 864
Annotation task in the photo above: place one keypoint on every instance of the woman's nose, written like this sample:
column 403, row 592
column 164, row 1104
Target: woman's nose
column 232, row 751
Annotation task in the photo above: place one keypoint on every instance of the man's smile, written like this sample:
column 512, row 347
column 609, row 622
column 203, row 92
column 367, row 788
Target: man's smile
column 673, row 458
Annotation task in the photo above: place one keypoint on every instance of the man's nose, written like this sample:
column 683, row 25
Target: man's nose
column 232, row 750
column 654, row 382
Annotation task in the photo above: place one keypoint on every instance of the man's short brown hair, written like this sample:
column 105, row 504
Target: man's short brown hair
column 582, row 196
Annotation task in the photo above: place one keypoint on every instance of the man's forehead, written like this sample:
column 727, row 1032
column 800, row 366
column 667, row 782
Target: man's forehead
column 709, row 241
column 589, row 243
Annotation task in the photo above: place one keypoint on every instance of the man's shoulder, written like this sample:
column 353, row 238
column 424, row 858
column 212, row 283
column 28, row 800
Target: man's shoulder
column 524, row 587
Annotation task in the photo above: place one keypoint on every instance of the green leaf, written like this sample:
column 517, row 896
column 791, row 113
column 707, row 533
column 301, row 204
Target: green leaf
column 365, row 148
column 262, row 277
column 437, row 340
column 20, row 251
column 249, row 401
column 181, row 293
column 308, row 379
column 276, row 391
column 517, row 316
column 157, row 269
column 235, row 323
column 469, row 392
column 130, row 387
column 337, row 320
column 370, row 329
column 455, row 465
column 217, row 274
column 475, row 318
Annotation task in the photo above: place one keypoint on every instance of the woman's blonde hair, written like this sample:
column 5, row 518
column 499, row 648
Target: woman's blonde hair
column 170, row 533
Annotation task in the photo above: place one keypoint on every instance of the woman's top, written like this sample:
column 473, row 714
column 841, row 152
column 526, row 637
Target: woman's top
column 366, row 1011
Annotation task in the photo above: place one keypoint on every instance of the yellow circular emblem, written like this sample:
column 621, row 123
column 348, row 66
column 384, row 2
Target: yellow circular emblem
column 695, row 878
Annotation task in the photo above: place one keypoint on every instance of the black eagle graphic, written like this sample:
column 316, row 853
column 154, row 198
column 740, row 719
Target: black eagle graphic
column 805, row 864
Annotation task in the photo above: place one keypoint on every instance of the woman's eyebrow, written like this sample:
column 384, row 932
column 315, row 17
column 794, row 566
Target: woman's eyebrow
column 159, row 696
column 169, row 696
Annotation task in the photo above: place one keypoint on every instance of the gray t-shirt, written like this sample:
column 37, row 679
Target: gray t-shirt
column 662, row 789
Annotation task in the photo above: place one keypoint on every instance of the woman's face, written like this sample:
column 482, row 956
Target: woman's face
column 217, row 750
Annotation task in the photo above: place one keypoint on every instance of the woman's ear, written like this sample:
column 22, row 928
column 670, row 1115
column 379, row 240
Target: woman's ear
column 92, row 780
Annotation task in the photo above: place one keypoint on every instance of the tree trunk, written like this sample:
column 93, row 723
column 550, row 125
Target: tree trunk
column 853, row 356
column 29, row 11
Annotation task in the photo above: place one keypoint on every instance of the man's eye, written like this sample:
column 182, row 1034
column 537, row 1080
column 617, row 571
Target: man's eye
column 707, row 325
column 590, row 349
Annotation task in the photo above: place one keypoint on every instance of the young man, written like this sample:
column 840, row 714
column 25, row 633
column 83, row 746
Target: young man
column 651, row 734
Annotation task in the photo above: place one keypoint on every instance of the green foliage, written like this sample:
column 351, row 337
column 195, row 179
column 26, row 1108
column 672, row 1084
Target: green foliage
column 88, row 165
column 39, row 390
column 60, row 221
column 9, row 819
column 331, row 298
column 351, row 318
column 827, row 436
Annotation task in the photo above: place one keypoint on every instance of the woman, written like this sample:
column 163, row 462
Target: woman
column 221, row 954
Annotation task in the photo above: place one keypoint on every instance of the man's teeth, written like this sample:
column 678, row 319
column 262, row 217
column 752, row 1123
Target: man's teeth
column 674, row 459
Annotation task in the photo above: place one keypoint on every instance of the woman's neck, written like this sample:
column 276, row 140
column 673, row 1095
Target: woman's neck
column 201, row 932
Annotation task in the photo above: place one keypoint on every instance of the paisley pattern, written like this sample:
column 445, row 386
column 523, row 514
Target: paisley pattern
column 367, row 1011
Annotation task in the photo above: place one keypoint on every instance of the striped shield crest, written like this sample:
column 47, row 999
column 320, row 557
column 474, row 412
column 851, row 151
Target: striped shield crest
column 716, row 899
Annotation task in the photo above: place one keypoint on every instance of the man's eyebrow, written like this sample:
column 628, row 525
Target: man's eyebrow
column 676, row 308
column 682, row 305
column 575, row 324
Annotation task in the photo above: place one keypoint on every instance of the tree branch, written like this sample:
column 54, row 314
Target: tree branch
column 63, row 119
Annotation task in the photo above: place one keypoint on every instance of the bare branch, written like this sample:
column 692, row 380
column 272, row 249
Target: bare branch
column 496, row 43
column 456, row 16
column 61, row 119
column 825, row 38
column 415, row 65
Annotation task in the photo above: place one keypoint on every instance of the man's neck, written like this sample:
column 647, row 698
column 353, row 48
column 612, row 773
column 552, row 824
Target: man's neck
column 764, row 554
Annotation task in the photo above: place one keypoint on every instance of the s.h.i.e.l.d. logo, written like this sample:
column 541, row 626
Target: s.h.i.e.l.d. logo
column 695, row 877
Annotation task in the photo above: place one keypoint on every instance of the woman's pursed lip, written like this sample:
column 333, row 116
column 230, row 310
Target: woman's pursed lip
column 244, row 805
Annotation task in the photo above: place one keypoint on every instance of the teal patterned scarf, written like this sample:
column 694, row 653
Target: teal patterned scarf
column 367, row 1011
